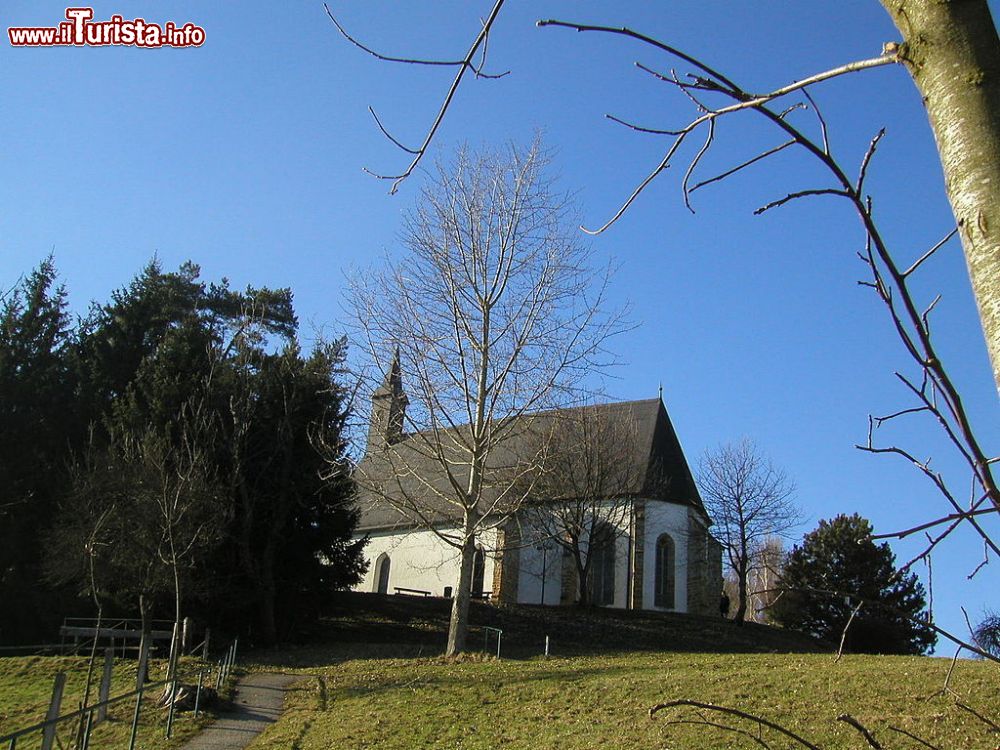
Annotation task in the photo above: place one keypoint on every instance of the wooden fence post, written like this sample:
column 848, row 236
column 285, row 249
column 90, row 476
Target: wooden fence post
column 49, row 733
column 105, row 691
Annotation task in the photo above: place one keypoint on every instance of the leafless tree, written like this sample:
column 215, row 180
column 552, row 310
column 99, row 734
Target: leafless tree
column 750, row 501
column 495, row 312
column 582, row 495
column 766, row 561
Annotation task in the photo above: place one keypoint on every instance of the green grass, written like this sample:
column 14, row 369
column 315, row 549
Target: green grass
column 602, row 701
column 26, row 689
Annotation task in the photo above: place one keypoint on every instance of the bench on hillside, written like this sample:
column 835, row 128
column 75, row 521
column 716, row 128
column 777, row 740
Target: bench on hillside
column 411, row 592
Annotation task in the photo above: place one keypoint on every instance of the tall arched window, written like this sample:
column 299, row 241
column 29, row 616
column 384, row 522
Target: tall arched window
column 602, row 566
column 478, row 573
column 665, row 572
column 382, row 574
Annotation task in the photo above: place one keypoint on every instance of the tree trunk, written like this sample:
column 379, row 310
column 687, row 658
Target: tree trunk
column 267, row 593
column 741, row 600
column 953, row 54
column 582, row 584
column 458, row 627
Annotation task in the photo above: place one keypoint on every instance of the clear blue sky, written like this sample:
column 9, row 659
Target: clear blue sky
column 245, row 156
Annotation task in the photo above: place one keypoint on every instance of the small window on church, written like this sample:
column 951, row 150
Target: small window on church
column 664, row 574
column 382, row 574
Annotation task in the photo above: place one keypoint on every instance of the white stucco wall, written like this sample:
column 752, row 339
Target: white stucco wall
column 420, row 560
column 663, row 517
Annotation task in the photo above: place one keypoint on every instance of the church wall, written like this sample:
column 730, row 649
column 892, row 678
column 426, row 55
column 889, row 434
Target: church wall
column 673, row 519
column 561, row 586
column 529, row 585
column 420, row 560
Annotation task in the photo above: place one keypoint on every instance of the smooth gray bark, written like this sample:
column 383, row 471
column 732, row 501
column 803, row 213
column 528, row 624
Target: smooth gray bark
column 953, row 54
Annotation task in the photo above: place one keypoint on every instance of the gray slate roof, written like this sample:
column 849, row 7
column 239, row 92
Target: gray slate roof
column 407, row 468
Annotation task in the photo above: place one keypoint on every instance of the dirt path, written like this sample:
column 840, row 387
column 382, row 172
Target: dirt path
column 257, row 703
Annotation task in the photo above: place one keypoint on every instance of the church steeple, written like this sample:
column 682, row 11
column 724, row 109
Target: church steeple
column 388, row 408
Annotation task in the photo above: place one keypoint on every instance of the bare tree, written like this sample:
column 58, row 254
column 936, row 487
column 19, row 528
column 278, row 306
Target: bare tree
column 582, row 495
column 766, row 562
column 493, row 312
column 751, row 501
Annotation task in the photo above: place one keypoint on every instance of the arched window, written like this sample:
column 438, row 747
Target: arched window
column 602, row 566
column 665, row 572
column 382, row 574
column 478, row 573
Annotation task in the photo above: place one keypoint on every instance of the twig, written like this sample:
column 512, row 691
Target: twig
column 724, row 727
column 862, row 173
column 869, row 738
column 745, row 164
column 843, row 634
column 799, row 194
column 914, row 737
column 929, row 253
column 463, row 65
column 988, row 722
column 734, row 712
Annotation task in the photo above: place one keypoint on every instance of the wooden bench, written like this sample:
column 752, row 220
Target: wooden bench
column 411, row 592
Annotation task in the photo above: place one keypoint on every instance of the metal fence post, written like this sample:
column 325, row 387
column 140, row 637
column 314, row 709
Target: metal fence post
column 197, row 695
column 49, row 733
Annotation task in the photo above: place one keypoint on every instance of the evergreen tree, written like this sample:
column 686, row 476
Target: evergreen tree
column 837, row 567
column 37, row 430
column 213, row 476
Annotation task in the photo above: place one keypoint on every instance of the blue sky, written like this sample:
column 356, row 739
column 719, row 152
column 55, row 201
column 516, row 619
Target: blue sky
column 245, row 156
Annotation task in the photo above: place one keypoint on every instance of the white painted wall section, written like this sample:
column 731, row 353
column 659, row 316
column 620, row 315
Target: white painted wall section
column 420, row 560
column 673, row 519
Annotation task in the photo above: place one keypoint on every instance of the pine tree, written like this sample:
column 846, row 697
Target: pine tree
column 838, row 567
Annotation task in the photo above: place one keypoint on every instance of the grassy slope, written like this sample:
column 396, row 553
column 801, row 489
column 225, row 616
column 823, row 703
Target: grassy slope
column 358, row 695
column 26, row 688
column 372, row 618
column 590, row 701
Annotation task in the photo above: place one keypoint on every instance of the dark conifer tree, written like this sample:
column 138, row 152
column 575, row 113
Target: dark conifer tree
column 839, row 566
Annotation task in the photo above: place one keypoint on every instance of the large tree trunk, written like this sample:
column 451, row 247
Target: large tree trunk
column 458, row 627
column 952, row 51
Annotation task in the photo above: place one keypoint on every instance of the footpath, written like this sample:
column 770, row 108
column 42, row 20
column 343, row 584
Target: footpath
column 258, row 702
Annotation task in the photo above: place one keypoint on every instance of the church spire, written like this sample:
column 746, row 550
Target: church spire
column 388, row 408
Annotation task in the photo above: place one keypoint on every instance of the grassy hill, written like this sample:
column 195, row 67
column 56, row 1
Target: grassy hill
column 418, row 621
column 357, row 690
column 593, row 701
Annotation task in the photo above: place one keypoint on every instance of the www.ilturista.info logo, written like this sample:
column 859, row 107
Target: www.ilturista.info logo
column 80, row 30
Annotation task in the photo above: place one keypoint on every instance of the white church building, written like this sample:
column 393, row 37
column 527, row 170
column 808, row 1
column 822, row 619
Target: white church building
column 659, row 555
